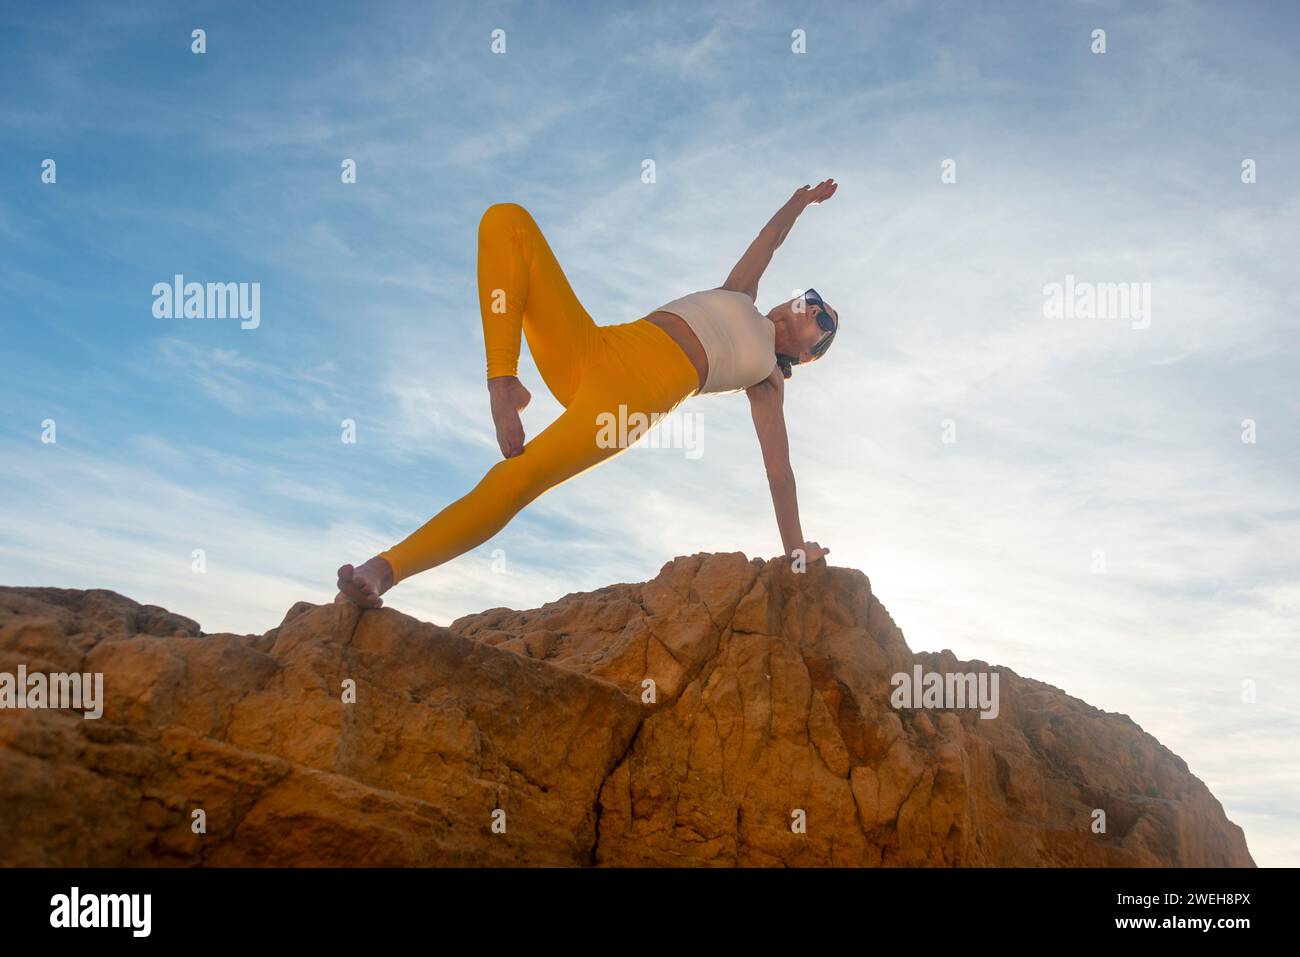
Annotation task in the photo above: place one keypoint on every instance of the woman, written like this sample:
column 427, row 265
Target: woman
column 711, row 341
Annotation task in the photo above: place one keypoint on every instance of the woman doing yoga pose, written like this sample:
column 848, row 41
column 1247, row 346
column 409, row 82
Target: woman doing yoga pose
column 712, row 341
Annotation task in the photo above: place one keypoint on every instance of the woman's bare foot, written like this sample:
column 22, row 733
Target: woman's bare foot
column 364, row 584
column 508, row 397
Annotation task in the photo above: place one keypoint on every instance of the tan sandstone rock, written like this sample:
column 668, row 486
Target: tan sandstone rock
column 729, row 712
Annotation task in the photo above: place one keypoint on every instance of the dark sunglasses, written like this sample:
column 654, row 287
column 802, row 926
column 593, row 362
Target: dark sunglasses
column 827, row 323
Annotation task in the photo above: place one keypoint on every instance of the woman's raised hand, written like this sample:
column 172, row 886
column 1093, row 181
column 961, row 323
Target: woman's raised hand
column 816, row 194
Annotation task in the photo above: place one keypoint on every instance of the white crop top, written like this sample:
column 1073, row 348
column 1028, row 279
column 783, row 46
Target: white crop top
column 738, row 340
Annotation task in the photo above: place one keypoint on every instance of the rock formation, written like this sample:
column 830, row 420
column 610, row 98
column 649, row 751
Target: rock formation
column 729, row 712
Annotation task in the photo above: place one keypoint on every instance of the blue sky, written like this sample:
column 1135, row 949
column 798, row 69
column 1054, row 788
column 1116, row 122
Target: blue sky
column 1073, row 435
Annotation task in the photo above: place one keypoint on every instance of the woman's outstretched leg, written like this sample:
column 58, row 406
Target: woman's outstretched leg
column 523, row 289
column 642, row 374
column 567, row 447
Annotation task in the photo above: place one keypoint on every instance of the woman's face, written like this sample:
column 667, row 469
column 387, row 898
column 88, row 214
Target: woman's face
column 802, row 330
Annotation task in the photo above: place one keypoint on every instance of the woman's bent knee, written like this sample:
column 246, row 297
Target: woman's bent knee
column 503, row 213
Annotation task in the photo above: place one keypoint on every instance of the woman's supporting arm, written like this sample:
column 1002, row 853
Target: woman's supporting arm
column 766, row 401
column 745, row 275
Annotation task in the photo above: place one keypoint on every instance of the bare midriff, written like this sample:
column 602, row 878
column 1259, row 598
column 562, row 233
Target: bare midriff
column 681, row 334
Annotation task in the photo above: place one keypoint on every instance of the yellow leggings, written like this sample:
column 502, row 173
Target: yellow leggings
column 591, row 370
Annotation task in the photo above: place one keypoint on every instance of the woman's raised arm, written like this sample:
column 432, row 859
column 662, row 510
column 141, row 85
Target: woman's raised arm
column 745, row 275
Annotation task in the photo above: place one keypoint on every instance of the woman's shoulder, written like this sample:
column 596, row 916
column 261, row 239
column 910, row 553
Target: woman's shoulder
column 744, row 293
column 770, row 389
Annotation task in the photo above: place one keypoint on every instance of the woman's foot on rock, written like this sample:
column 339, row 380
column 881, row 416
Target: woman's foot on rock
column 364, row 584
